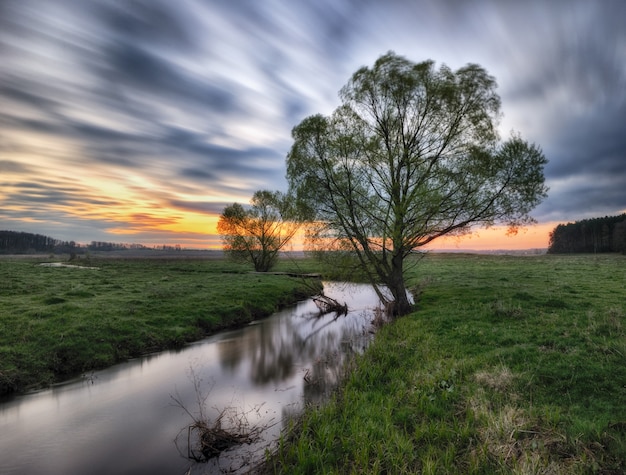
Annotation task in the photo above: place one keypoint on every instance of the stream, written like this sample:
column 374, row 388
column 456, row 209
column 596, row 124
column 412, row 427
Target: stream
column 133, row 418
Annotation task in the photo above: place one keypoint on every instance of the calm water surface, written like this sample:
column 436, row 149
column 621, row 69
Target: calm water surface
column 124, row 420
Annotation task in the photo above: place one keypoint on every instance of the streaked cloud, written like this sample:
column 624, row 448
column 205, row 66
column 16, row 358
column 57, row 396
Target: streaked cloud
column 140, row 120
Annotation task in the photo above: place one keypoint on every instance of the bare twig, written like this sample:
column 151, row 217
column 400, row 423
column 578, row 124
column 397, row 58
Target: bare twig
column 208, row 439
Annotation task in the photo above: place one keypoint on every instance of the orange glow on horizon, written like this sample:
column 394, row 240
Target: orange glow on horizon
column 181, row 222
column 492, row 239
column 198, row 231
column 496, row 238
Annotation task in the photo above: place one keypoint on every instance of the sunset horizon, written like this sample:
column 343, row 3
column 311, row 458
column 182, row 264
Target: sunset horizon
column 490, row 239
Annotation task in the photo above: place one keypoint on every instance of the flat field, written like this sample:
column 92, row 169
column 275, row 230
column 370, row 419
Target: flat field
column 510, row 365
column 58, row 322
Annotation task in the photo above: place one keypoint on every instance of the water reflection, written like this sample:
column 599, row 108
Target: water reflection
column 122, row 420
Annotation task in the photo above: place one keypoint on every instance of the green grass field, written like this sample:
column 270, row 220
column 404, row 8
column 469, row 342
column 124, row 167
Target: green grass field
column 510, row 365
column 59, row 322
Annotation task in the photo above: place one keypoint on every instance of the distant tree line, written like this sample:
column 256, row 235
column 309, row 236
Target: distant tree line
column 594, row 235
column 16, row 242
column 114, row 246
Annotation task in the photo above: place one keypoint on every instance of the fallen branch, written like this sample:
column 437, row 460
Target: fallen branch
column 208, row 439
column 327, row 304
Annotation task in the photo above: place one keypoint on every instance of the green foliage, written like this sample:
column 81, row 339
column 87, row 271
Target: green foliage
column 258, row 233
column 411, row 154
column 511, row 365
column 59, row 322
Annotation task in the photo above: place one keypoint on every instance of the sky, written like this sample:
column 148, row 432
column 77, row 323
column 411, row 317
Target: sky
column 139, row 121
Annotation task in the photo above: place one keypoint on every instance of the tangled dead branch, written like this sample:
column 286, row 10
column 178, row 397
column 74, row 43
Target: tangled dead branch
column 327, row 304
column 207, row 439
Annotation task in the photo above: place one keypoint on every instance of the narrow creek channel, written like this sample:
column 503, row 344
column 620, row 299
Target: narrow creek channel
column 124, row 420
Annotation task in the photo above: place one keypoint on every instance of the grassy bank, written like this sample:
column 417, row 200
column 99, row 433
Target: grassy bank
column 511, row 365
column 56, row 322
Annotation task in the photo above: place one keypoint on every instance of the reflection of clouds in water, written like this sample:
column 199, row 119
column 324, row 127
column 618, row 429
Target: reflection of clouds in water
column 274, row 350
column 266, row 351
column 357, row 296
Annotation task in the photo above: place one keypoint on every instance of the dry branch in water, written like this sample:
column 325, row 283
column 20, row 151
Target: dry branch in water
column 208, row 439
column 327, row 304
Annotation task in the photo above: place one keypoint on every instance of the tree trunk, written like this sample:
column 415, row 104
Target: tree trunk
column 397, row 287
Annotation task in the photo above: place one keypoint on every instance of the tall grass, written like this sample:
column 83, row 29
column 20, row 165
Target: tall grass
column 510, row 365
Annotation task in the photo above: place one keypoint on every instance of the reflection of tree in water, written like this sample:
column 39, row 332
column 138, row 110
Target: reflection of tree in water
column 230, row 354
column 275, row 348
column 272, row 355
column 302, row 341
column 269, row 348
column 329, row 368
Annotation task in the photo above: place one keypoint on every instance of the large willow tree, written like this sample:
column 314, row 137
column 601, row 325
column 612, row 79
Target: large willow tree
column 411, row 154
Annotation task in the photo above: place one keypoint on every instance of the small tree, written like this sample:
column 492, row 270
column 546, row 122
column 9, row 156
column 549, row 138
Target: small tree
column 412, row 154
column 257, row 233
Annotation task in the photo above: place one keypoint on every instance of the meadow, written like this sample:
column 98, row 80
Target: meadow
column 510, row 365
column 59, row 322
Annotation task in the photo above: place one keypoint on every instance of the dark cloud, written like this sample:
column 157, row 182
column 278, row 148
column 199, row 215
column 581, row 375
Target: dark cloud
column 593, row 145
column 17, row 168
column 55, row 194
column 198, row 174
column 211, row 161
column 163, row 24
column 209, row 208
column 22, row 90
column 35, row 125
column 587, row 168
column 583, row 197
column 140, row 70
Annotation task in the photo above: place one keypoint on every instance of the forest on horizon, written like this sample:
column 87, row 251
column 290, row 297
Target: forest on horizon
column 595, row 235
